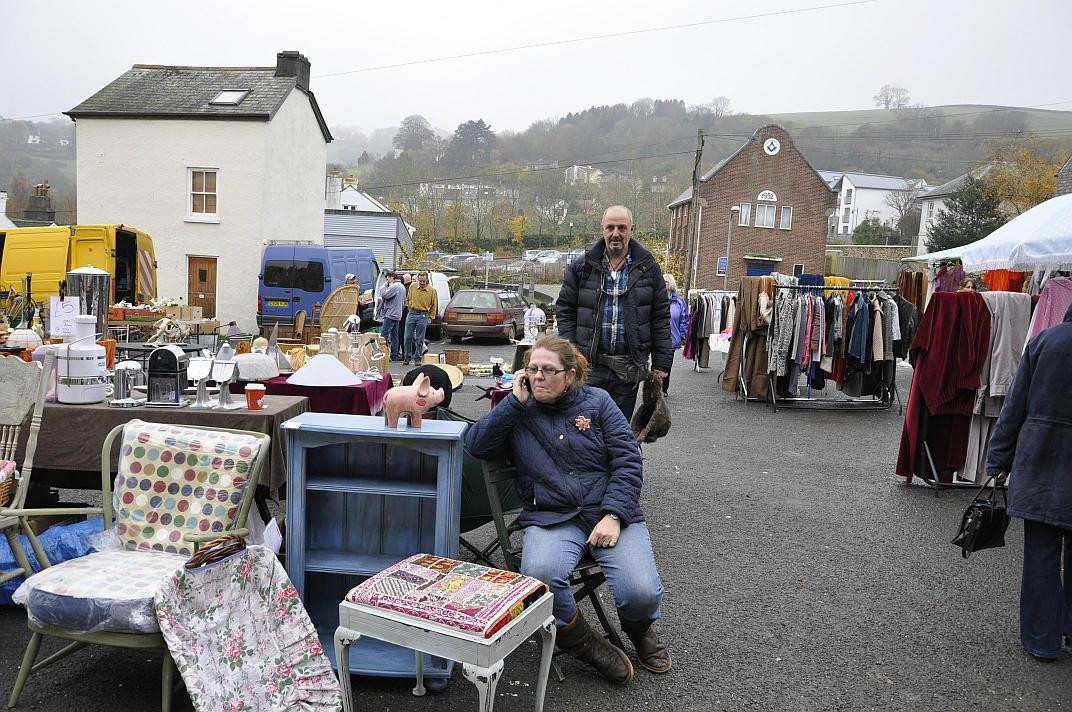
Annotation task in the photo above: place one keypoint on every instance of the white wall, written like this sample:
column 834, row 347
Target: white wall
column 270, row 186
column 866, row 203
column 930, row 208
column 295, row 165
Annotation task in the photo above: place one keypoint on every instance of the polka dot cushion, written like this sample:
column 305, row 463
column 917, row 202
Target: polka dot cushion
column 175, row 480
column 106, row 590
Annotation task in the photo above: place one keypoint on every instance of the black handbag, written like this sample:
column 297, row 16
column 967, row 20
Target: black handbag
column 984, row 522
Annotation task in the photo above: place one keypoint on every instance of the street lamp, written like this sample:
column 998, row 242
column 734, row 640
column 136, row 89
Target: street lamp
column 571, row 234
column 729, row 237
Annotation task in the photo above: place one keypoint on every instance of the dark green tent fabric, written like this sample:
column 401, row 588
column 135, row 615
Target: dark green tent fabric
column 476, row 512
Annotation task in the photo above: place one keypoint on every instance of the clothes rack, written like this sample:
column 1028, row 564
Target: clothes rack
column 881, row 401
column 695, row 297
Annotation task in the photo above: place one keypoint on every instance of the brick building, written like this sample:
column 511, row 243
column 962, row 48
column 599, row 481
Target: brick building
column 781, row 222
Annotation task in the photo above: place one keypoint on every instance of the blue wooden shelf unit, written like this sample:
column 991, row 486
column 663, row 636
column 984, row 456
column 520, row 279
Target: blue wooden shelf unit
column 361, row 497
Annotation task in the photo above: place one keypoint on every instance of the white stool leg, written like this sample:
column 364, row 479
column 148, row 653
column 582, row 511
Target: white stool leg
column 419, row 689
column 344, row 638
column 547, row 639
column 486, row 680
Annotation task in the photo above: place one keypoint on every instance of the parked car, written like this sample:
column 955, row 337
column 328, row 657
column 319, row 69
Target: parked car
column 549, row 257
column 531, row 255
column 295, row 276
column 439, row 282
column 484, row 312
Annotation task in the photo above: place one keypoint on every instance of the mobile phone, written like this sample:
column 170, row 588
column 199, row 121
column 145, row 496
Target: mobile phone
column 525, row 384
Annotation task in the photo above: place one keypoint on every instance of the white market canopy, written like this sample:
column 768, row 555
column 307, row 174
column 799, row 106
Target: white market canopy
column 1039, row 238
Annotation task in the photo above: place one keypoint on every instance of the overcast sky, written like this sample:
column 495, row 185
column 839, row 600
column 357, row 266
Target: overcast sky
column 59, row 52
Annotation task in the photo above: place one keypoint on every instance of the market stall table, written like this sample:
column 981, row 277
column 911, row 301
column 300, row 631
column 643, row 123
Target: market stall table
column 69, row 444
column 365, row 398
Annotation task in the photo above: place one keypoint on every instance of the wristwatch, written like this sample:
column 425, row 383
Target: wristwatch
column 614, row 516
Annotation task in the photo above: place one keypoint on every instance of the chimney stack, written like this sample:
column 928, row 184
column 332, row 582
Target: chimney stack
column 39, row 205
column 293, row 64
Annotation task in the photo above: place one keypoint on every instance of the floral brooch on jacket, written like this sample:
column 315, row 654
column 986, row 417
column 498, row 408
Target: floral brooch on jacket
column 582, row 423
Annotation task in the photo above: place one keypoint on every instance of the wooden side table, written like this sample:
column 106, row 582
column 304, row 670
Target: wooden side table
column 481, row 658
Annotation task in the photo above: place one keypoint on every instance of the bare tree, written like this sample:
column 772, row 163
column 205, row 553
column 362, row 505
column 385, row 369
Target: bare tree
column 891, row 96
column 903, row 202
column 720, row 106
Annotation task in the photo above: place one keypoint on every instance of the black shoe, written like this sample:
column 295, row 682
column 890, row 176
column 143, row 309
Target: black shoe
column 1041, row 658
column 579, row 640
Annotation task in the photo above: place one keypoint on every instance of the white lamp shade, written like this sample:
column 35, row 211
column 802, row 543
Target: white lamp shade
column 26, row 338
column 323, row 370
column 256, row 366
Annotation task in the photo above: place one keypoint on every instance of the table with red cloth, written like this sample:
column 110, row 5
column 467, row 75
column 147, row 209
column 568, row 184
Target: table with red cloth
column 365, row 398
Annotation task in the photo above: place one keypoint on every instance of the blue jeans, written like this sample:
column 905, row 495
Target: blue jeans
column 550, row 553
column 416, row 325
column 390, row 333
column 1045, row 601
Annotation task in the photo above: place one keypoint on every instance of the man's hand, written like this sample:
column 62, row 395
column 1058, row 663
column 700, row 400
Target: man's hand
column 606, row 532
column 659, row 375
column 999, row 479
column 519, row 390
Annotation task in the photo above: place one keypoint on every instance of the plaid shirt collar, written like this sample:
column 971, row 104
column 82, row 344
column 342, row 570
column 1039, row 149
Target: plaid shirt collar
column 612, row 327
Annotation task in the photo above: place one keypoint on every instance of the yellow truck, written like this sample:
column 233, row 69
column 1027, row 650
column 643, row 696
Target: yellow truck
column 48, row 253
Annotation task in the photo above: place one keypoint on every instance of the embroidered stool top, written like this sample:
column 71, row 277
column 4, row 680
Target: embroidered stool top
column 464, row 596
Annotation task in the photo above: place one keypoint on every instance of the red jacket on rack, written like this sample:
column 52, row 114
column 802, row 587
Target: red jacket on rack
column 947, row 354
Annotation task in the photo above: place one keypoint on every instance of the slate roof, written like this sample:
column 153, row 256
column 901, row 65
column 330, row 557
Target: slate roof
column 950, row 187
column 170, row 92
column 876, row 182
column 683, row 198
column 831, row 177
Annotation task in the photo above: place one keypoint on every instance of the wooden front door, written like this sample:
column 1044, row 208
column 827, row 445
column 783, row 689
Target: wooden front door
column 201, row 287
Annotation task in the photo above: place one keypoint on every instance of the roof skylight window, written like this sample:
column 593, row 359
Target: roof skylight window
column 230, row 97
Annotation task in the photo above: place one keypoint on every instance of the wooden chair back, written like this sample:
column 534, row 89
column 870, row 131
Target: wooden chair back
column 499, row 473
column 299, row 326
column 23, row 386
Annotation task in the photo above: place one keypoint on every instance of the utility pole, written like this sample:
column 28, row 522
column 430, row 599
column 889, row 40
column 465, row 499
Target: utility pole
column 694, row 211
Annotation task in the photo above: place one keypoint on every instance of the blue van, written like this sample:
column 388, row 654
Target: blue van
column 295, row 276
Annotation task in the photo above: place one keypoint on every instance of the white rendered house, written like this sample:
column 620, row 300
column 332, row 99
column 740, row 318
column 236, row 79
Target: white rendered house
column 862, row 196
column 212, row 162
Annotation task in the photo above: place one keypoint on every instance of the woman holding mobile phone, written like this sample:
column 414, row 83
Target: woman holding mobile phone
column 579, row 477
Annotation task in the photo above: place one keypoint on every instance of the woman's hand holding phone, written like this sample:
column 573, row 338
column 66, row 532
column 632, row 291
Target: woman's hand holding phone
column 521, row 388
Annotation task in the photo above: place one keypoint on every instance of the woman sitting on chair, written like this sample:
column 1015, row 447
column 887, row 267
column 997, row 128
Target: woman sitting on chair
column 579, row 477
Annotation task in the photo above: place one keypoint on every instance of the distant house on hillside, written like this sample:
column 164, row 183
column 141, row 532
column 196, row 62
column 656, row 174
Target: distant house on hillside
column 778, row 205
column 542, row 164
column 579, row 175
column 935, row 199
column 33, row 139
column 862, row 196
column 1064, row 178
column 210, row 161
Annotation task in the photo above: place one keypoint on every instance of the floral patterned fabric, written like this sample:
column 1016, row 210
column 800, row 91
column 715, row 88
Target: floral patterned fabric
column 175, row 480
column 242, row 640
column 102, row 591
column 456, row 594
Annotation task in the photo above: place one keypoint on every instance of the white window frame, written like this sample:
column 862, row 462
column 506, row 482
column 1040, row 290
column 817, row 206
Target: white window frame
column 784, row 224
column 202, row 217
column 801, row 266
column 847, row 213
column 848, row 196
column 718, row 272
column 930, row 208
column 746, row 214
column 768, row 209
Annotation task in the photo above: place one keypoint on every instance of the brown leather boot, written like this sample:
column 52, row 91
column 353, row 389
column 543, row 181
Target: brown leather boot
column 579, row 640
column 653, row 654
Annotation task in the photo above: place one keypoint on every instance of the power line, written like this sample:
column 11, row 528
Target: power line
column 589, row 38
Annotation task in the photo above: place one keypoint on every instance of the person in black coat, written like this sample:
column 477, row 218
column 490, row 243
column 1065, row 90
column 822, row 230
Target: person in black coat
column 1032, row 446
column 579, row 475
column 613, row 305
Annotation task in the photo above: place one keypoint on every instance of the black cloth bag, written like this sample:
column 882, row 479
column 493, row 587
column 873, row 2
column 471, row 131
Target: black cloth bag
column 984, row 522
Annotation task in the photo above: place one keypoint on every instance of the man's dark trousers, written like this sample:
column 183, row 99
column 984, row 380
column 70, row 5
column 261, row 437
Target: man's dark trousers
column 624, row 394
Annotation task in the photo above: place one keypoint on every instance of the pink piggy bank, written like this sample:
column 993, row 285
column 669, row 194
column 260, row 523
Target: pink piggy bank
column 413, row 400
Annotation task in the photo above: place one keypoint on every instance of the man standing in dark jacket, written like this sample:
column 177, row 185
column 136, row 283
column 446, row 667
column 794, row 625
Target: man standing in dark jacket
column 614, row 307
column 1032, row 443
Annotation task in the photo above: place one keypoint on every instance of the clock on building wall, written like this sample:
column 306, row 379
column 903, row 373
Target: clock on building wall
column 771, row 146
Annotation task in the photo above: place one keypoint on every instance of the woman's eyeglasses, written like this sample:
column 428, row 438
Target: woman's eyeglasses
column 532, row 371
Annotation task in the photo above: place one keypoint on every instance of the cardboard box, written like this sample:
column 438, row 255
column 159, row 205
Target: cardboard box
column 173, row 312
column 192, row 313
column 117, row 313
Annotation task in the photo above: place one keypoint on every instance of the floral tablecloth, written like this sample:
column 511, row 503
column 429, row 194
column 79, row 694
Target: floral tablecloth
column 242, row 640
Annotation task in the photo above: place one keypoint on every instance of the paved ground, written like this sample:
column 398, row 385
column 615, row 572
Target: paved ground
column 800, row 573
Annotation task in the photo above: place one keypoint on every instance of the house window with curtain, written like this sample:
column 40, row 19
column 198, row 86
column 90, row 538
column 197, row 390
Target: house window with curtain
column 746, row 214
column 203, row 194
column 787, row 218
column 765, row 215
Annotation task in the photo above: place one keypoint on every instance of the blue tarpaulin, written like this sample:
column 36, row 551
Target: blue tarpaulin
column 60, row 543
